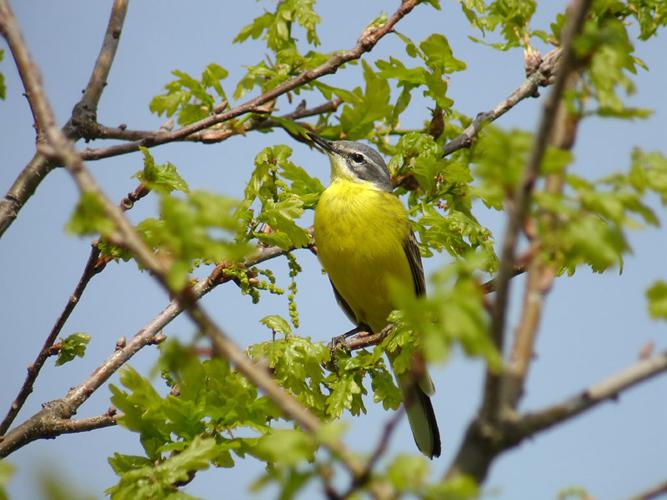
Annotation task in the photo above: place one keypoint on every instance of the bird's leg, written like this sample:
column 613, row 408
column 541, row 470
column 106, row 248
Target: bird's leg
column 339, row 341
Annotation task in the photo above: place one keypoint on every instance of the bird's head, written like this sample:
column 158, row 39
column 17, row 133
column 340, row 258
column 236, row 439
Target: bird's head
column 355, row 161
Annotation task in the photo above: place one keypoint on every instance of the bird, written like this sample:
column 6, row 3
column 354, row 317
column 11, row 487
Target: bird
column 364, row 240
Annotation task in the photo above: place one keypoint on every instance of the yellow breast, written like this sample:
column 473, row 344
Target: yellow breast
column 360, row 232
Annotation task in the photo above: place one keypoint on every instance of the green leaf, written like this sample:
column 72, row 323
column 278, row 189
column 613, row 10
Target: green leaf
column 408, row 472
column 286, row 446
column 657, row 300
column 161, row 480
column 6, row 472
column 163, row 178
column 458, row 488
column 72, row 346
column 90, row 217
column 276, row 323
column 439, row 56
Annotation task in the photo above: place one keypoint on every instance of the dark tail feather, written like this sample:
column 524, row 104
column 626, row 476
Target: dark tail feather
column 422, row 422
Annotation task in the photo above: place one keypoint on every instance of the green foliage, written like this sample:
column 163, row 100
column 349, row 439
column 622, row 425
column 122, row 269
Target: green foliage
column 453, row 313
column 163, row 178
column 276, row 29
column 441, row 204
column 159, row 481
column 3, row 87
column 189, row 98
column 438, row 61
column 283, row 192
column 276, row 323
column 657, row 300
column 72, row 346
column 90, row 217
column 6, row 472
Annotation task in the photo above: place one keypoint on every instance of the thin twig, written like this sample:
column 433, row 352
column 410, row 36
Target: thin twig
column 522, row 198
column 39, row 166
column 215, row 135
column 542, row 76
column 368, row 39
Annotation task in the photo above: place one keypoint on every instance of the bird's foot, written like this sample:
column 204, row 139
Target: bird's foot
column 339, row 342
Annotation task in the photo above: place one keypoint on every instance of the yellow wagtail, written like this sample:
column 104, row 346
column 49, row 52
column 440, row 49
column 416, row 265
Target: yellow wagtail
column 363, row 237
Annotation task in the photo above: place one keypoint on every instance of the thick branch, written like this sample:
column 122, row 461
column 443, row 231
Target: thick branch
column 38, row 168
column 518, row 210
column 542, row 76
column 656, row 491
column 368, row 39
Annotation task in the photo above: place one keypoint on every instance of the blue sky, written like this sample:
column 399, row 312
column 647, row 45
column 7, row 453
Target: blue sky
column 594, row 324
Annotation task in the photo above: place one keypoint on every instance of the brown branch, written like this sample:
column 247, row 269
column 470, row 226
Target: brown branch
column 541, row 271
column 93, row 267
column 39, row 166
column 68, row 405
column 368, row 39
column 542, row 76
column 522, row 199
column 608, row 389
column 656, row 491
column 483, row 442
column 215, row 135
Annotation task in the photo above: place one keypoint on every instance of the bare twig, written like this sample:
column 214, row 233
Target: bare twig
column 94, row 266
column 519, row 208
column 542, row 76
column 368, row 39
column 39, row 166
column 607, row 389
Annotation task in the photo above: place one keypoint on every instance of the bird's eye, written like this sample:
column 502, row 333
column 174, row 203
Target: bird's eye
column 357, row 158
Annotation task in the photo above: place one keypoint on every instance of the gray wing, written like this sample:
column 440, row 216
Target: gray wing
column 346, row 308
column 415, row 260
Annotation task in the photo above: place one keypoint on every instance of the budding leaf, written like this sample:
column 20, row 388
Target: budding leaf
column 71, row 347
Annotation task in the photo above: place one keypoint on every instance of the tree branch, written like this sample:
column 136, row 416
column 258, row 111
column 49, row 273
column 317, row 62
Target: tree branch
column 93, row 267
column 39, row 166
column 368, row 39
column 211, row 135
column 541, row 271
column 608, row 389
column 654, row 492
column 542, row 76
column 519, row 209
column 68, row 405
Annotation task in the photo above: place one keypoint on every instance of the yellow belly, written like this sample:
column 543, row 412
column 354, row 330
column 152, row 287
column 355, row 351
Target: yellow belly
column 359, row 233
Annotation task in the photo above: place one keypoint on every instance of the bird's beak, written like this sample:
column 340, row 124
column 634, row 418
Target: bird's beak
column 325, row 145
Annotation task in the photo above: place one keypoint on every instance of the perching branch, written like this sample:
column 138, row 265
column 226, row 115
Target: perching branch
column 367, row 40
column 521, row 202
column 656, row 491
column 39, row 166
